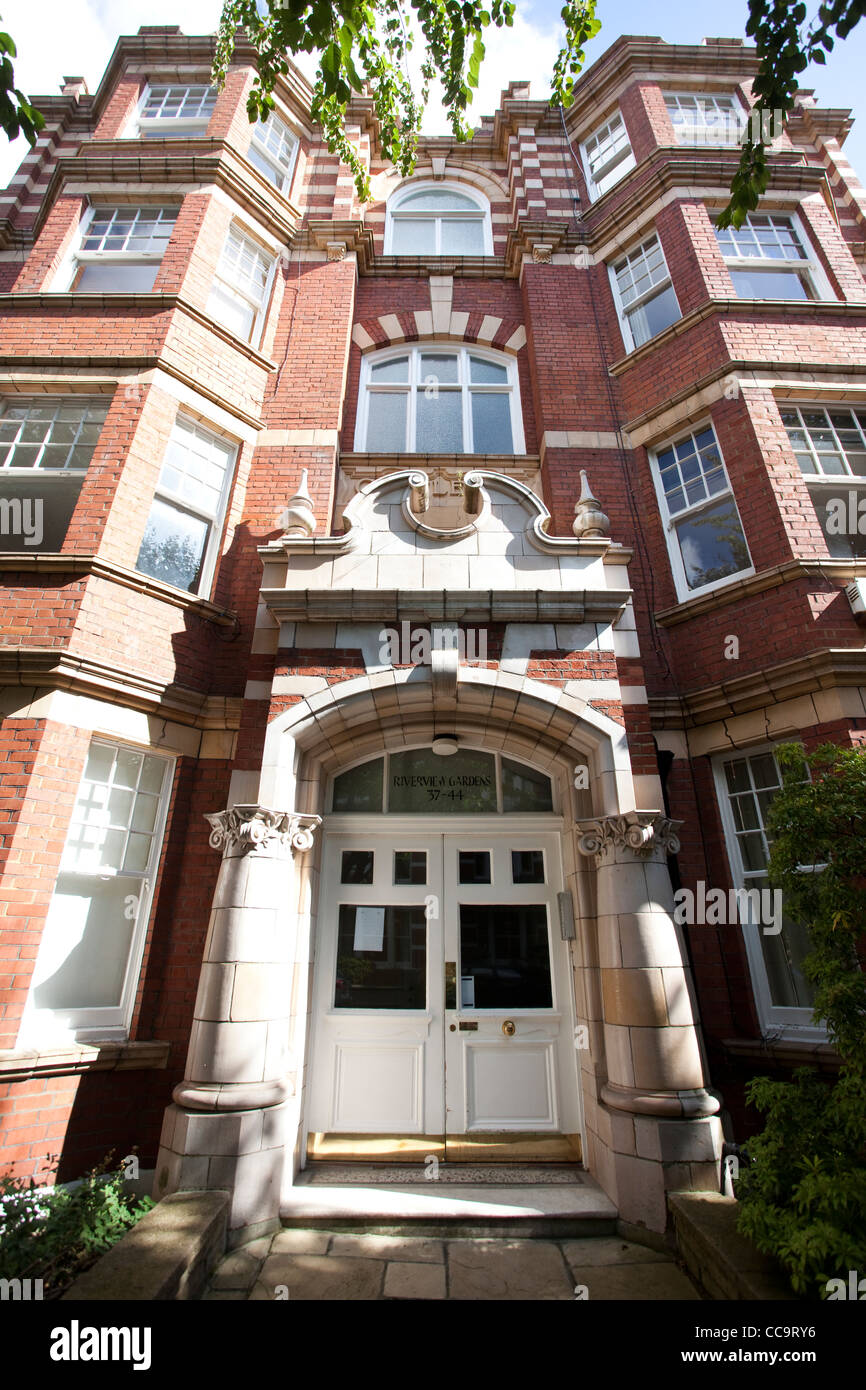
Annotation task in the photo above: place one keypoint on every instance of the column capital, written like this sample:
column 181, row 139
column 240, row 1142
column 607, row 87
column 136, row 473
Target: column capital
column 259, row 830
column 644, row 834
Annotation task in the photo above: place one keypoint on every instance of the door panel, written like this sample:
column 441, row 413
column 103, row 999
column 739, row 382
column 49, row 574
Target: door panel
column 377, row 1062
column 442, row 998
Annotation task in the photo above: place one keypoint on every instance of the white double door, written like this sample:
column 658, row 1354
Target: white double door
column 442, row 993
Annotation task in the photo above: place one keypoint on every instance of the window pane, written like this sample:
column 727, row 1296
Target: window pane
column 524, row 789
column 504, row 948
column 837, row 510
column 435, row 199
column 122, row 277
column 527, row 866
column 360, row 789
column 485, row 372
column 421, row 781
column 439, row 427
column 85, row 945
column 386, row 422
column 413, row 237
column 439, row 368
column 37, row 510
column 391, row 977
column 473, row 866
column 395, row 370
column 712, row 544
column 769, row 284
column 491, row 424
column 173, row 546
column 463, row 237
column 356, row 866
column 233, row 312
column 410, row 866
column 653, row 316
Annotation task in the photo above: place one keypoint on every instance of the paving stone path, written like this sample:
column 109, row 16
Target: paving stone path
column 316, row 1264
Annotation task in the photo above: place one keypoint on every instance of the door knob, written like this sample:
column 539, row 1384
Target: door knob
column 452, row 1027
column 509, row 1028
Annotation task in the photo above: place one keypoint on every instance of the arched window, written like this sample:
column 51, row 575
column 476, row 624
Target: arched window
column 439, row 399
column 419, row 782
column 427, row 219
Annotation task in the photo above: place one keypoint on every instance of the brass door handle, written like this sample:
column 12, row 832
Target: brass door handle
column 509, row 1028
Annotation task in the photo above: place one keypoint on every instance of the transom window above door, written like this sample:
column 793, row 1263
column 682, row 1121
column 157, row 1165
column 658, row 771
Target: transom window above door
column 439, row 400
column 438, row 220
column 420, row 781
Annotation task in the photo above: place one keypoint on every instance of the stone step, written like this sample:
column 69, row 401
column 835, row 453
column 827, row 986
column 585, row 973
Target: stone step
column 500, row 1205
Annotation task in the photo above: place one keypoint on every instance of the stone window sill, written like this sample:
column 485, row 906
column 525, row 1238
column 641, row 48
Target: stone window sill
column 26, row 1064
column 787, row 1052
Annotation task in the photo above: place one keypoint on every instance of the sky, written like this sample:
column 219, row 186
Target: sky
column 76, row 37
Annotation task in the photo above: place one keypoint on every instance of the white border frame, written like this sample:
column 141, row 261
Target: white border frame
column 421, row 186
column 109, row 1023
column 624, row 325
column 410, row 389
column 773, row 1018
column 669, row 523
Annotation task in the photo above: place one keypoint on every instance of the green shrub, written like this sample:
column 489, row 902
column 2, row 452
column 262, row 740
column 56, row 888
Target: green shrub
column 54, row 1233
column 803, row 1197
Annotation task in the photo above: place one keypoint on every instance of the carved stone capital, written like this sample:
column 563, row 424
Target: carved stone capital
column 336, row 250
column 258, row 830
column 644, row 833
column 541, row 253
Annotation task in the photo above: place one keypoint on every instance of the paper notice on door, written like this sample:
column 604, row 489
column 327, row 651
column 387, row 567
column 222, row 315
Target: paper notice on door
column 369, row 928
column 467, row 991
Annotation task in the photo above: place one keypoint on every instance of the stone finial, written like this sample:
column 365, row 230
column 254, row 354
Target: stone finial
column 590, row 522
column 299, row 519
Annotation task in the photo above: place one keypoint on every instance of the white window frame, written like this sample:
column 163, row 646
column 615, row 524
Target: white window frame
column 724, row 103
column 36, row 471
column 174, row 127
column 622, row 311
column 113, row 1021
column 819, row 481
column 807, row 265
column 623, row 159
column 216, row 521
column 283, row 174
column 76, row 256
column 422, row 186
column 670, row 521
column 233, row 289
column 784, row 1022
column 414, row 352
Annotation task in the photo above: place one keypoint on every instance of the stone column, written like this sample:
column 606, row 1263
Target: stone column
column 656, row 1117
column 225, row 1129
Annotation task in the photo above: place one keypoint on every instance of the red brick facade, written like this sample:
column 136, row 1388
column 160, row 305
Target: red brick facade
column 94, row 646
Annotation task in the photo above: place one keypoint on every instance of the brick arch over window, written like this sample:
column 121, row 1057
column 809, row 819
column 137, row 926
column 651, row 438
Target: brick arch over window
column 469, row 326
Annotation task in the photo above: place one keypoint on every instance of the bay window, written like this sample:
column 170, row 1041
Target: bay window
column 643, row 293
column 182, row 534
column 170, row 111
column 439, row 400
column 704, row 532
column 241, row 286
column 829, row 444
column 89, row 958
column 699, row 118
column 120, row 248
column 45, row 450
column 769, row 258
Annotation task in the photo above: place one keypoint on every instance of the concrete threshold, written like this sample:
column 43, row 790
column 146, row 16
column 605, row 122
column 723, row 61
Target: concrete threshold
column 453, row 1209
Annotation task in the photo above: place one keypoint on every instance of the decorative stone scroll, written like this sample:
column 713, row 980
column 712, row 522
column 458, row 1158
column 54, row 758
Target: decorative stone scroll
column 642, row 832
column 258, row 830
